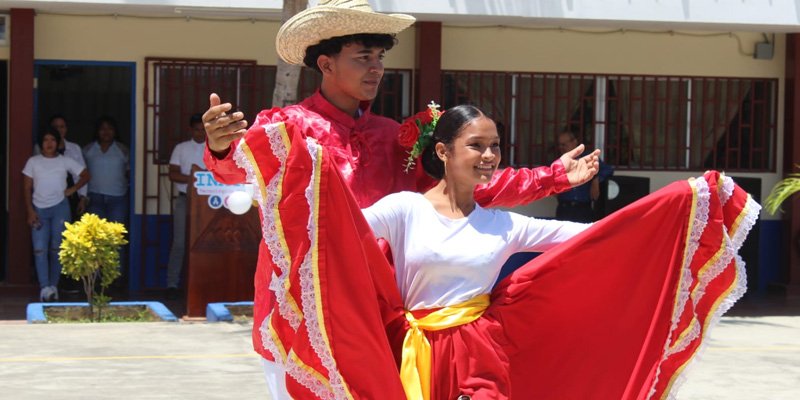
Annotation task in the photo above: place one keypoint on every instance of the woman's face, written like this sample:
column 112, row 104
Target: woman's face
column 473, row 156
column 49, row 146
column 105, row 134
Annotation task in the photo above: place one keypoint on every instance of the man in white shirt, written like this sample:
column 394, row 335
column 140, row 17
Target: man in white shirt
column 73, row 151
column 185, row 155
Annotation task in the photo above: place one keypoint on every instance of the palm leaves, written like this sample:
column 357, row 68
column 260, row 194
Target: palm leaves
column 782, row 191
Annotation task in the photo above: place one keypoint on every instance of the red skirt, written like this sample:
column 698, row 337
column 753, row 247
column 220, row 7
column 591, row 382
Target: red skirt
column 615, row 313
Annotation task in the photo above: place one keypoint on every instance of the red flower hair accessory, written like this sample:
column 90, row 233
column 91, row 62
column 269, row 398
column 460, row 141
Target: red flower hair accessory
column 416, row 132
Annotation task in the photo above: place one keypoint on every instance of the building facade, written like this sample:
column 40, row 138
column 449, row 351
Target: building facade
column 666, row 89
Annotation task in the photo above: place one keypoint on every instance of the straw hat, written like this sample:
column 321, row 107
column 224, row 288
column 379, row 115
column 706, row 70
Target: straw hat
column 332, row 18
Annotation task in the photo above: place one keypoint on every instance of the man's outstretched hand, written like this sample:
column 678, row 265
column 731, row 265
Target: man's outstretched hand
column 222, row 128
column 583, row 169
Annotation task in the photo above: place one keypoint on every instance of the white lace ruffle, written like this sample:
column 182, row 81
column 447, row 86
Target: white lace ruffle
column 268, row 206
column 752, row 211
column 727, row 189
column 307, row 285
column 335, row 388
column 698, row 220
column 731, row 247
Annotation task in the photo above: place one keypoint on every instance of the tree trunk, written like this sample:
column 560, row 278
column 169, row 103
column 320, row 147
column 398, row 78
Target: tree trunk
column 287, row 76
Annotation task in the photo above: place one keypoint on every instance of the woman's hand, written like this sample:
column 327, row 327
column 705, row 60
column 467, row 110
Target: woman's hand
column 33, row 219
column 70, row 190
column 583, row 169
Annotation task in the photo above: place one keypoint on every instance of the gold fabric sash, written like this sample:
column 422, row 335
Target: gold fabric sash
column 415, row 369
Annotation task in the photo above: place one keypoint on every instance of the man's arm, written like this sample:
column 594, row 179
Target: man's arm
column 511, row 188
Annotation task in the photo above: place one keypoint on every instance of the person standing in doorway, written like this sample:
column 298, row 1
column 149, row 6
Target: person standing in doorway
column 79, row 200
column 578, row 203
column 108, row 162
column 46, row 193
column 185, row 156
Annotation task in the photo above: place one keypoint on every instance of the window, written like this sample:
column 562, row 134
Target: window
column 178, row 88
column 641, row 122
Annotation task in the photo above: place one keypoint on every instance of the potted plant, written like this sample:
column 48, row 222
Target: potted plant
column 90, row 252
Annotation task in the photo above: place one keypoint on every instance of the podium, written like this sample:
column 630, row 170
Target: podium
column 221, row 254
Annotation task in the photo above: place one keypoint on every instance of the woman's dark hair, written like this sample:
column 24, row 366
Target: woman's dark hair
column 105, row 120
column 51, row 132
column 333, row 46
column 447, row 130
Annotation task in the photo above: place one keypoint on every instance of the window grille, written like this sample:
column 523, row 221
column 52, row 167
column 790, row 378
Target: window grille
column 640, row 122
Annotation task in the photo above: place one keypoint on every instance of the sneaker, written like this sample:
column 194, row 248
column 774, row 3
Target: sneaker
column 48, row 294
column 54, row 293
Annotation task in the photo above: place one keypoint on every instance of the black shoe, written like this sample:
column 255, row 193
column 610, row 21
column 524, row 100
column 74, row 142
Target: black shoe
column 172, row 293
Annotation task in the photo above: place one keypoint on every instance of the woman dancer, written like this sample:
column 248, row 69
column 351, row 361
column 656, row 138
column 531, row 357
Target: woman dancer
column 615, row 312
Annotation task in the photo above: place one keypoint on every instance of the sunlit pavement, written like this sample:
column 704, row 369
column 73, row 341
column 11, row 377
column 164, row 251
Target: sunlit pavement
column 747, row 358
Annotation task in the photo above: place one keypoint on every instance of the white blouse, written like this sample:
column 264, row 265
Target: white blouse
column 441, row 261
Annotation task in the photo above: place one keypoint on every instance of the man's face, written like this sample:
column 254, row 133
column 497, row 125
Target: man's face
column 566, row 142
column 198, row 132
column 356, row 71
column 61, row 126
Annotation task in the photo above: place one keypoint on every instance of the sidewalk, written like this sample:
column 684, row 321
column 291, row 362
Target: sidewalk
column 158, row 360
column 748, row 358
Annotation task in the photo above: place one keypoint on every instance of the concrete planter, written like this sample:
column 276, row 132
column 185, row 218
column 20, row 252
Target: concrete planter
column 35, row 311
column 218, row 312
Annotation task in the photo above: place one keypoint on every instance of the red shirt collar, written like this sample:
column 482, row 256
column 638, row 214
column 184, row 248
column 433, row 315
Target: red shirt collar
column 321, row 105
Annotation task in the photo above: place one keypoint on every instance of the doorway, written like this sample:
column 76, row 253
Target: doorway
column 82, row 92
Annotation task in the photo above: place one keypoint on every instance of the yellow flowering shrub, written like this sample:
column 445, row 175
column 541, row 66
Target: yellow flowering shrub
column 90, row 250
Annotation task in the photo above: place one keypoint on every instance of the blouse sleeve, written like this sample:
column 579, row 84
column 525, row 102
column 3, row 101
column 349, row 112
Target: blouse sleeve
column 28, row 169
column 543, row 234
column 385, row 217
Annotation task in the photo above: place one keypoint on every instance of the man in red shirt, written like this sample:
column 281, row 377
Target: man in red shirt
column 364, row 146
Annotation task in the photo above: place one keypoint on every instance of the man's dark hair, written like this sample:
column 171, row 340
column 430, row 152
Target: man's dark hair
column 333, row 46
column 195, row 119
column 105, row 119
column 55, row 117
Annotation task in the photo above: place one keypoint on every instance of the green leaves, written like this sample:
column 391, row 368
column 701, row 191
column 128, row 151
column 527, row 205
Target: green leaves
column 90, row 250
column 782, row 191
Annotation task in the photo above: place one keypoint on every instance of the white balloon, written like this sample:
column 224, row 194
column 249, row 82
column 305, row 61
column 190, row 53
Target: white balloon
column 613, row 189
column 239, row 202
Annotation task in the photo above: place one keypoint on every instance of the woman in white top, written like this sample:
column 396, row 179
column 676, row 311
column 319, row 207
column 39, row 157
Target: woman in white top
column 613, row 310
column 46, row 192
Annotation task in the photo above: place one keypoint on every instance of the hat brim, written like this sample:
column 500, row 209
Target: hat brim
column 316, row 24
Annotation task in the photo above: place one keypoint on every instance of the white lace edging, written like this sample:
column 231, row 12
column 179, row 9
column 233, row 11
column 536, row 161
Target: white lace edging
column 727, row 189
column 732, row 245
column 307, row 286
column 753, row 210
column 268, row 227
column 699, row 221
